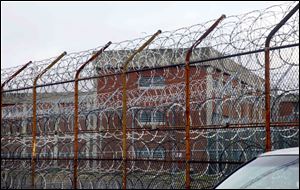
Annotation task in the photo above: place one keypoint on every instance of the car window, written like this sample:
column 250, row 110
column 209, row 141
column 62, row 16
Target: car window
column 268, row 172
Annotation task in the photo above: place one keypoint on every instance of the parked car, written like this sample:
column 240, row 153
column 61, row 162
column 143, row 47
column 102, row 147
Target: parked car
column 277, row 169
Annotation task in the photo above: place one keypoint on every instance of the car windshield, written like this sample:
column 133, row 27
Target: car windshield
column 266, row 172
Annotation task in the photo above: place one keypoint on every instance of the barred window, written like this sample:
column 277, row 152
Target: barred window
column 159, row 153
column 158, row 81
column 145, row 116
column 148, row 82
column 158, row 116
column 142, row 153
column 151, row 116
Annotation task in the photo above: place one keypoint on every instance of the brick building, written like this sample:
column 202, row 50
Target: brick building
column 155, row 101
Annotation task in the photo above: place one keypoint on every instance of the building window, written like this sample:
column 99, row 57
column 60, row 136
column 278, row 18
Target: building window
column 158, row 153
column 5, row 155
column 143, row 153
column 152, row 82
column 148, row 116
column 145, row 116
column 158, row 116
column 26, row 154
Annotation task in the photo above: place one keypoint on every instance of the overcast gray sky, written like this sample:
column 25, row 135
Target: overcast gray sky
column 39, row 30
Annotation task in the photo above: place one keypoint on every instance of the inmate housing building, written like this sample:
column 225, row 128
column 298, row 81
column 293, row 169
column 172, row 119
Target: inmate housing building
column 155, row 101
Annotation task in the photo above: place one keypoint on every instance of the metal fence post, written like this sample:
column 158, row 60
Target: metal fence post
column 76, row 111
column 267, row 77
column 124, row 106
column 33, row 158
column 187, row 101
column 8, row 80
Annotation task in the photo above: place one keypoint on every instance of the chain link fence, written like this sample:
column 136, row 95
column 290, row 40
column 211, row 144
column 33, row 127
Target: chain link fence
column 58, row 131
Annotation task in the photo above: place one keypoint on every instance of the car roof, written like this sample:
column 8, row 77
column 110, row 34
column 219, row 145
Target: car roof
column 286, row 151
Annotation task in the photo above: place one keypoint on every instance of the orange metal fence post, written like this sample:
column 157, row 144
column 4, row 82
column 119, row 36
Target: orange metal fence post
column 267, row 77
column 124, row 106
column 33, row 158
column 9, row 79
column 187, row 102
column 75, row 164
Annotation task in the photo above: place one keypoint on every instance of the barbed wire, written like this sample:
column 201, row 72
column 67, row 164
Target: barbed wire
column 227, row 90
column 235, row 34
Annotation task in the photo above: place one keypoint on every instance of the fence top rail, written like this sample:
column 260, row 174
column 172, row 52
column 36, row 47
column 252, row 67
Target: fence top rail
column 155, row 68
